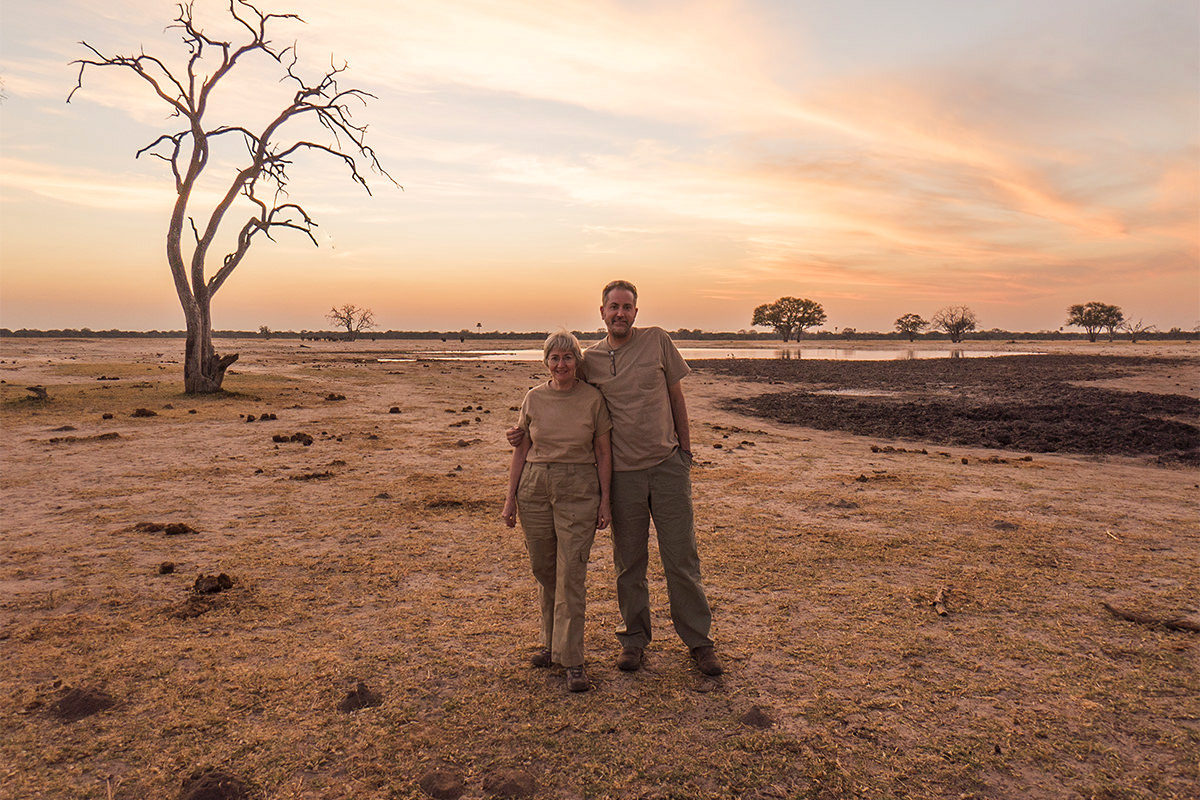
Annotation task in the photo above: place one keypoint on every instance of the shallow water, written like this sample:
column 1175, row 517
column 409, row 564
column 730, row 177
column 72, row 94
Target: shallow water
column 705, row 353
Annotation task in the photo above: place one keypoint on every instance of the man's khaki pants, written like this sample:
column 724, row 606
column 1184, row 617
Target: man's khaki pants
column 664, row 493
column 557, row 504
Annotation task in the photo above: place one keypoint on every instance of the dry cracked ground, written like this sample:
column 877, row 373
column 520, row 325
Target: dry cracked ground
column 370, row 636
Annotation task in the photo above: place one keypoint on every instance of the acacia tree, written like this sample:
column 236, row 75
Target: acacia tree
column 910, row 325
column 263, row 179
column 1094, row 317
column 955, row 321
column 354, row 319
column 789, row 314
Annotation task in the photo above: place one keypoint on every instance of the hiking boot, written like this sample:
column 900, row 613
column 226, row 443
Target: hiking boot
column 706, row 660
column 577, row 680
column 630, row 659
column 541, row 659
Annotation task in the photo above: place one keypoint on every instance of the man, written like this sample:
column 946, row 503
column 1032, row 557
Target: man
column 639, row 372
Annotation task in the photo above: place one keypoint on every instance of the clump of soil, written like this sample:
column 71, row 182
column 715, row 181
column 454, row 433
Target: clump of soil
column 301, row 437
column 756, row 717
column 75, row 704
column 143, row 412
column 509, row 783
column 211, row 584
column 442, row 784
column 334, row 397
column 167, row 528
column 311, row 476
column 1009, row 402
column 214, row 784
column 360, row 697
column 166, row 568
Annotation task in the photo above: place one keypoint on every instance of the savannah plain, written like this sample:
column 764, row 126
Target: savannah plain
column 375, row 554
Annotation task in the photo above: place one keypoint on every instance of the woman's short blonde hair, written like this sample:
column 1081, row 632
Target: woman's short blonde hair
column 563, row 340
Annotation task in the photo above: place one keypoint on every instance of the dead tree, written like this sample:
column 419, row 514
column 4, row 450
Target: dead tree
column 262, row 181
column 955, row 321
column 354, row 319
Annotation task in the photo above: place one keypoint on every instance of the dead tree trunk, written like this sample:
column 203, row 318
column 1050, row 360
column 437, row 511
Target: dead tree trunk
column 203, row 369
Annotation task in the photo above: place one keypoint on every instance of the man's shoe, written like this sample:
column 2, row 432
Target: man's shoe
column 630, row 659
column 541, row 659
column 577, row 680
column 706, row 660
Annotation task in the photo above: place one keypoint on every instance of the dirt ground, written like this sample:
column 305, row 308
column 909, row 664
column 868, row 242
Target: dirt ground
column 374, row 554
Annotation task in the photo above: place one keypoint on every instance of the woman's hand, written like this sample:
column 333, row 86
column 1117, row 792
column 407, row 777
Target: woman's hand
column 509, row 514
column 604, row 515
column 515, row 436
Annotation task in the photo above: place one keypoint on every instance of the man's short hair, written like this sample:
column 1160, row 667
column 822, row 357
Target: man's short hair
column 626, row 285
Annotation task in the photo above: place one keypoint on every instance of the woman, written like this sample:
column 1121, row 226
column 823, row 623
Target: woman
column 559, row 480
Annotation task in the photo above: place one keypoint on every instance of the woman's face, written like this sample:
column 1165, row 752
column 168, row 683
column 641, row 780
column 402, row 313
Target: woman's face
column 561, row 364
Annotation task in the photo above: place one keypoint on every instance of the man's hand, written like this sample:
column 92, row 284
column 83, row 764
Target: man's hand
column 515, row 436
column 604, row 515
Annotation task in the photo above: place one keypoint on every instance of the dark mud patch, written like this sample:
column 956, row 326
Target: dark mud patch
column 76, row 704
column 1007, row 402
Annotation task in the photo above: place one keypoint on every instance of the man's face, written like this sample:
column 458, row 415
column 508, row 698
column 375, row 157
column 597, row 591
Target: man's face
column 618, row 312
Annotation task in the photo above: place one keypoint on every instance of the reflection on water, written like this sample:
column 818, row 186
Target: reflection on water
column 705, row 353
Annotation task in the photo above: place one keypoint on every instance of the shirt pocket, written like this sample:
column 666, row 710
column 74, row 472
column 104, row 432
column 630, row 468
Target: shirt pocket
column 649, row 378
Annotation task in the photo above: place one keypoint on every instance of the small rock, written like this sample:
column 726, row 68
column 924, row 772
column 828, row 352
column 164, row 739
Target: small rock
column 394, row 410
column 166, row 568
column 442, row 785
column 509, row 783
column 862, row 479
column 756, row 717
column 360, row 697
column 143, row 412
column 106, row 415
column 149, row 527
column 383, row 496
column 965, row 460
column 177, row 528
column 462, row 443
column 334, row 396
column 191, row 411
column 168, row 406
column 250, row 418
column 75, row 704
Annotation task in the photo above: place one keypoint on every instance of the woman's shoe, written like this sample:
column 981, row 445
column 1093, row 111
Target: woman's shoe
column 541, row 659
column 577, row 680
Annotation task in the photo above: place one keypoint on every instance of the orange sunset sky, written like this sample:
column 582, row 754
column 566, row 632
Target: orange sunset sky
column 880, row 158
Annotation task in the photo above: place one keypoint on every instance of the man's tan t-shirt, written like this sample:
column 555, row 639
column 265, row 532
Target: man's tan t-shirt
column 634, row 379
column 562, row 425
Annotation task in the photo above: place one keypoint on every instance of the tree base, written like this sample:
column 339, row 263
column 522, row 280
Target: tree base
column 209, row 378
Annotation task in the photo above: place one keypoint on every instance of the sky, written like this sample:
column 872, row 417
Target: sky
column 1014, row 156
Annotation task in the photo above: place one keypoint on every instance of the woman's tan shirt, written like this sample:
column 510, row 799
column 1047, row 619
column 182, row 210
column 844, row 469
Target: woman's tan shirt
column 562, row 425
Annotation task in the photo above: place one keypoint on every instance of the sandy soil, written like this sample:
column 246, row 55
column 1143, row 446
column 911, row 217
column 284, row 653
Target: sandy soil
column 375, row 555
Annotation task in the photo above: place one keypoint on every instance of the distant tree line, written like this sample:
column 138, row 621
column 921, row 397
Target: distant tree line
column 694, row 334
